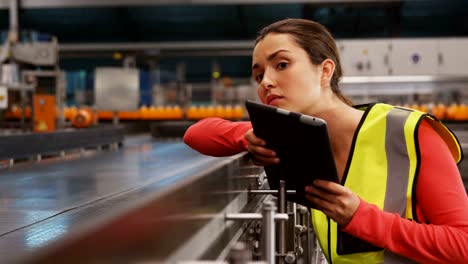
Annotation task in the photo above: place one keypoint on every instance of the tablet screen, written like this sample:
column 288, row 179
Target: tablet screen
column 301, row 143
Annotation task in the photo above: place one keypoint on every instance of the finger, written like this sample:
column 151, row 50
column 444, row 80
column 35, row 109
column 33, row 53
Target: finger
column 331, row 187
column 261, row 151
column 321, row 193
column 262, row 161
column 252, row 139
column 339, row 213
column 322, row 205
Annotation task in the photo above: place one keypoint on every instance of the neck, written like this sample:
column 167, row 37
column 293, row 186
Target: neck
column 342, row 124
column 342, row 121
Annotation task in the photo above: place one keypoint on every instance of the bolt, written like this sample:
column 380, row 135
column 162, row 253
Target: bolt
column 289, row 258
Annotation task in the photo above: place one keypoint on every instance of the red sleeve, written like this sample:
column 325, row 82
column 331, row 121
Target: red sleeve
column 217, row 137
column 442, row 202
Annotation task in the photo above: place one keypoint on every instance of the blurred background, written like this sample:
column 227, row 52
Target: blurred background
column 197, row 56
column 95, row 96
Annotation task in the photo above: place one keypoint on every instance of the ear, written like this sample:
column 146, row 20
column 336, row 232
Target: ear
column 328, row 68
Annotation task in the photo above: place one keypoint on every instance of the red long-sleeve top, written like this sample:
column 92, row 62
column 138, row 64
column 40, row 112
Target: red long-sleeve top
column 442, row 205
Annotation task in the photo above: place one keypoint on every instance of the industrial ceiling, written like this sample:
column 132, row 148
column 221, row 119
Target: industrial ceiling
column 131, row 21
column 145, row 25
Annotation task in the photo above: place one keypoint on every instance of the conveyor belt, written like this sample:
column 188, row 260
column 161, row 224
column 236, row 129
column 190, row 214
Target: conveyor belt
column 43, row 202
column 28, row 144
column 39, row 203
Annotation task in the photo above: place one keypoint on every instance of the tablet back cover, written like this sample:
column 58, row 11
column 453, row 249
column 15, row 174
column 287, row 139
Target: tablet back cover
column 302, row 145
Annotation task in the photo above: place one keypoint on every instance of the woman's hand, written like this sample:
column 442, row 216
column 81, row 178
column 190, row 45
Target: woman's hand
column 261, row 156
column 336, row 201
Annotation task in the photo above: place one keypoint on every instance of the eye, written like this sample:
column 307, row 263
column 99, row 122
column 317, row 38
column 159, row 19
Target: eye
column 281, row 65
column 259, row 77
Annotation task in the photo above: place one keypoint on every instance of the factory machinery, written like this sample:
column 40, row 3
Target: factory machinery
column 32, row 92
column 105, row 197
column 155, row 200
column 151, row 201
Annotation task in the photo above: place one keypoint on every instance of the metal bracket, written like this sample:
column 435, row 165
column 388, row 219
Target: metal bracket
column 269, row 218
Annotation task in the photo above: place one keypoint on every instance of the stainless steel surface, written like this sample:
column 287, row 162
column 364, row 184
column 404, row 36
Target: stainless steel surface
column 254, row 216
column 244, row 216
column 116, row 89
column 281, row 225
column 42, row 202
column 268, row 233
column 270, row 191
column 94, row 198
column 36, row 53
column 13, row 5
column 10, row 74
column 159, row 46
column 28, row 145
column 240, row 254
column 196, row 246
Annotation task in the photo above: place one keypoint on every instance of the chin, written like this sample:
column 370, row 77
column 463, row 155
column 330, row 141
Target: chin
column 274, row 104
column 277, row 103
column 282, row 106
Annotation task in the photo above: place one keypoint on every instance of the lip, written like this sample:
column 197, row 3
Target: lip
column 272, row 98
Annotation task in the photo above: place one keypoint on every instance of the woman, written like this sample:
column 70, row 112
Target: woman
column 401, row 197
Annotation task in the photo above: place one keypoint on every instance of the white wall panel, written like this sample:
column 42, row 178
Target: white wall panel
column 414, row 57
column 116, row 89
column 364, row 57
column 454, row 56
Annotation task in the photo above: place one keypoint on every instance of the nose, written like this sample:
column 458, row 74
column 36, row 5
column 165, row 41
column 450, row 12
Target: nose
column 267, row 81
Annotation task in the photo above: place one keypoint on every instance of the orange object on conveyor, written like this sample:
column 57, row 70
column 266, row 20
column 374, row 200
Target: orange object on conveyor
column 27, row 111
column 105, row 115
column 192, row 113
column 452, row 112
column 220, row 111
column 228, row 112
column 414, row 107
column 152, row 113
column 144, row 113
column 177, row 112
column 202, row 112
column 462, row 113
column 94, row 116
column 13, row 113
column 159, row 113
column 82, row 118
column 125, row 115
column 210, row 111
column 439, row 111
column 238, row 112
column 70, row 112
column 423, row 108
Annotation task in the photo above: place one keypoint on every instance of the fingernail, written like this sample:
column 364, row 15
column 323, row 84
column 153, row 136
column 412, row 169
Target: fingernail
column 276, row 160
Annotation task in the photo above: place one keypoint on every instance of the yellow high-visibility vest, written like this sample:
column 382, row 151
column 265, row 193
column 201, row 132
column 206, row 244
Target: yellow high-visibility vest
column 384, row 162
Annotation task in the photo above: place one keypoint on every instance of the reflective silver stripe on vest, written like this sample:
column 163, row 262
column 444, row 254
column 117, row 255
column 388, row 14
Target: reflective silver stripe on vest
column 398, row 164
column 398, row 167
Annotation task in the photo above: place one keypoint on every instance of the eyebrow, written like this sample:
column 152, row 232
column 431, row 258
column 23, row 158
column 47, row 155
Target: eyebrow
column 270, row 57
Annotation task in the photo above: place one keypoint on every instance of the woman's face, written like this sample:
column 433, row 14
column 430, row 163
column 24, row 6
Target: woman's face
column 285, row 75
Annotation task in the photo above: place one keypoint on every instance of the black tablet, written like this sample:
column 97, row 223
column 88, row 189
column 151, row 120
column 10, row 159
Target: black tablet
column 301, row 143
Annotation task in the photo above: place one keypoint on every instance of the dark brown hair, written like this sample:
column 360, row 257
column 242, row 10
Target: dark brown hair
column 316, row 40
